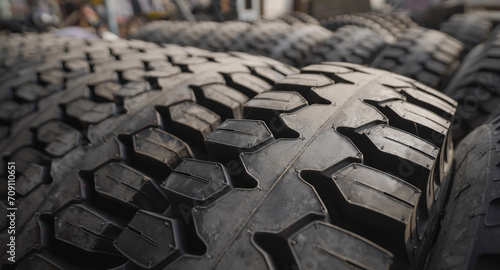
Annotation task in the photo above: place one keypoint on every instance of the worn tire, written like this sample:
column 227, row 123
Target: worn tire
column 95, row 127
column 428, row 56
column 313, row 176
column 469, row 29
column 350, row 43
column 470, row 232
column 476, row 86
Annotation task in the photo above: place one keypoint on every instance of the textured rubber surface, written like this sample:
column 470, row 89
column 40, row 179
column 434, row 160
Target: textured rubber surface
column 469, row 29
column 290, row 44
column 294, row 186
column 299, row 17
column 476, row 87
column 350, row 43
column 95, row 127
column 429, row 56
column 470, row 233
column 379, row 25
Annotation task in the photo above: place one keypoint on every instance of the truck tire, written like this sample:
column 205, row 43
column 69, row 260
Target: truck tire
column 94, row 127
column 290, row 44
column 470, row 231
column 469, row 29
column 304, row 17
column 302, row 184
column 350, row 43
column 337, row 21
column 160, row 31
column 476, row 87
column 428, row 56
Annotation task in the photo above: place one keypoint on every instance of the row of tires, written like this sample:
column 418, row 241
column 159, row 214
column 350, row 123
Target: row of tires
column 131, row 155
column 388, row 41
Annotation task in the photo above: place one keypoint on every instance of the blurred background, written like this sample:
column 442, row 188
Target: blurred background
column 124, row 16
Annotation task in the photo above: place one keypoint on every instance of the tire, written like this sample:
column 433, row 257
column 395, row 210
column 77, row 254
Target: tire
column 469, row 29
column 335, row 22
column 224, row 36
column 95, row 126
column 428, row 56
column 475, row 87
column 352, row 44
column 304, row 17
column 312, row 176
column 161, row 31
column 290, row 44
column 470, row 234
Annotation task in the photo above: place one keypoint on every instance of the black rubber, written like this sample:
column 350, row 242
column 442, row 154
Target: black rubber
column 469, row 29
column 304, row 184
column 428, row 56
column 470, row 232
column 290, row 44
column 350, row 43
column 476, row 86
column 299, row 17
column 95, row 127
column 371, row 21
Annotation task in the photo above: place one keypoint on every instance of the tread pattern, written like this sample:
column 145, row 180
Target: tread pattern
column 475, row 87
column 428, row 56
column 378, row 167
column 469, row 29
column 97, row 126
column 289, row 44
column 349, row 43
column 470, row 228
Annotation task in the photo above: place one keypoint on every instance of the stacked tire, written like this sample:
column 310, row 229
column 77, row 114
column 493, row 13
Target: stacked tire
column 146, row 161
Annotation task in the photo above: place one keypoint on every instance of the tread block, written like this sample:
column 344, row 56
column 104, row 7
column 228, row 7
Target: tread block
column 133, row 75
column 107, row 90
column 130, row 187
column 157, row 237
column 416, row 120
column 30, row 178
column 249, row 84
column 90, row 112
column 223, row 100
column 391, row 141
column 53, row 76
column 77, row 65
column 49, row 131
column 10, row 110
column 235, row 136
column 154, row 77
column 193, row 120
column 32, row 92
column 323, row 246
column 197, row 182
column 133, row 89
column 161, row 147
column 87, row 229
column 276, row 101
column 391, row 202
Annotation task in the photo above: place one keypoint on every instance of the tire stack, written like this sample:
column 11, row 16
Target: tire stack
column 202, row 146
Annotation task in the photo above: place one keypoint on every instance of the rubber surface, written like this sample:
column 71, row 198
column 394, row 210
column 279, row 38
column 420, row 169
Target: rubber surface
column 350, row 43
column 290, row 44
column 476, row 86
column 428, row 56
column 470, row 233
column 469, row 29
column 264, row 201
column 95, row 127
